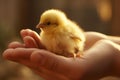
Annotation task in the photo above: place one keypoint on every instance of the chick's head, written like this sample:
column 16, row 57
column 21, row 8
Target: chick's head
column 52, row 19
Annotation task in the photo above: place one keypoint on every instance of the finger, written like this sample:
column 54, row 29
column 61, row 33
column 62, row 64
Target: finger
column 33, row 34
column 30, row 42
column 15, row 44
column 25, row 32
column 50, row 61
column 17, row 54
column 22, row 56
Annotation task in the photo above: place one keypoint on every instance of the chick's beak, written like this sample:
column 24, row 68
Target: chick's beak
column 40, row 25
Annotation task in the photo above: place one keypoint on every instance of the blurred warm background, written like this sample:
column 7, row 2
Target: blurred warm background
column 92, row 15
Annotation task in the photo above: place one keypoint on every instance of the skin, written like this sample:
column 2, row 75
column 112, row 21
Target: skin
column 101, row 58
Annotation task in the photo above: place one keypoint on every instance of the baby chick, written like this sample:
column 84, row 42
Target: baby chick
column 61, row 35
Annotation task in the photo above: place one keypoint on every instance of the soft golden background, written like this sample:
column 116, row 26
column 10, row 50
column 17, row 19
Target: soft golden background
column 92, row 15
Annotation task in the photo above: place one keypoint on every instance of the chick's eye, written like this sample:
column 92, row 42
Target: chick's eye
column 48, row 23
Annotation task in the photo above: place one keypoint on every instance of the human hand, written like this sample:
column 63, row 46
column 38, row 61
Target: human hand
column 24, row 53
column 52, row 67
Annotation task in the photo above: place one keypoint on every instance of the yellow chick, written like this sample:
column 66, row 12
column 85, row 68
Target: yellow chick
column 61, row 35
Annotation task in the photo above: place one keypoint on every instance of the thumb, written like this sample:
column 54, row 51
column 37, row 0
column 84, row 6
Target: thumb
column 50, row 61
